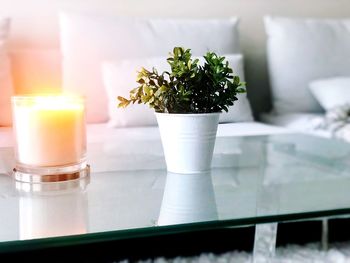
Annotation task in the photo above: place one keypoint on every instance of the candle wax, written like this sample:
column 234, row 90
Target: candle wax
column 50, row 132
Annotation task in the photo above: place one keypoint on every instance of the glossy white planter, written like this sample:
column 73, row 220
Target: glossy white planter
column 188, row 140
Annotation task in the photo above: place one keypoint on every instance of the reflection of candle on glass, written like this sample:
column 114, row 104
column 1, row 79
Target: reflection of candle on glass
column 59, row 210
column 50, row 130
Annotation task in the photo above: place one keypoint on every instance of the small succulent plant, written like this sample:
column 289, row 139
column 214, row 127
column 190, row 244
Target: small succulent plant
column 188, row 87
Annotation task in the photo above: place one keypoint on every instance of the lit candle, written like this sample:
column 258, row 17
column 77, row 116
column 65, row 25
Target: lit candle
column 49, row 131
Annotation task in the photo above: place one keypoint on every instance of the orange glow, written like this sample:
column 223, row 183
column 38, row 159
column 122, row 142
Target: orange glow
column 51, row 102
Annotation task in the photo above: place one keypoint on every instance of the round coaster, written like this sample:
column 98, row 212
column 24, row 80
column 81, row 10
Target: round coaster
column 48, row 178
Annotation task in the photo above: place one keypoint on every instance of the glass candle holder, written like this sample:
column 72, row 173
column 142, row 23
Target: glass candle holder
column 50, row 138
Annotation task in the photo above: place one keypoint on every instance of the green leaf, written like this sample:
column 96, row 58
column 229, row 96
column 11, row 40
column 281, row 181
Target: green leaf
column 134, row 91
column 240, row 90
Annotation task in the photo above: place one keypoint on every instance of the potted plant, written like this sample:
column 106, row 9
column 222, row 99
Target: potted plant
column 187, row 100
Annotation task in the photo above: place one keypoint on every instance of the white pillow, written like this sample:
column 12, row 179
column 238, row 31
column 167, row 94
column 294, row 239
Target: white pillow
column 301, row 50
column 120, row 78
column 6, row 88
column 87, row 40
column 331, row 92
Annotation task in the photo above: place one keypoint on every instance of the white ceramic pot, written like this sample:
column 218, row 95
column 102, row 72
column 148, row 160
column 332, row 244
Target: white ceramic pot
column 188, row 140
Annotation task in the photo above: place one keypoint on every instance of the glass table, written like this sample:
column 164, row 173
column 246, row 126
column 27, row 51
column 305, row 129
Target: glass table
column 254, row 180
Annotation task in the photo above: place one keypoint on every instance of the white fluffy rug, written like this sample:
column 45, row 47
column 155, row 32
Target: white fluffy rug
column 337, row 253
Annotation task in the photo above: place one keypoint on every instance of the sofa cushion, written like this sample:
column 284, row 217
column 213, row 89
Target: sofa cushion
column 302, row 50
column 119, row 79
column 87, row 40
column 6, row 88
column 331, row 92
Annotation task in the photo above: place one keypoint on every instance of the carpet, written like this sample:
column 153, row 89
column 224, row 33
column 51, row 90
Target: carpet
column 310, row 253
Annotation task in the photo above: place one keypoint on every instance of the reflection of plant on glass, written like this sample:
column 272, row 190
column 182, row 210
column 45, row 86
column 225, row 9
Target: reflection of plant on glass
column 188, row 199
column 189, row 87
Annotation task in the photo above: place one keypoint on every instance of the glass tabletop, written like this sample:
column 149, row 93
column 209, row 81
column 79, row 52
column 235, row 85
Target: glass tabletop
column 255, row 179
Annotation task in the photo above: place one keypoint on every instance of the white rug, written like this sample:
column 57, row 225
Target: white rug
column 337, row 253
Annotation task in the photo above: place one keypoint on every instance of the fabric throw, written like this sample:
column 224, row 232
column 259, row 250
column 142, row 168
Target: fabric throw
column 336, row 121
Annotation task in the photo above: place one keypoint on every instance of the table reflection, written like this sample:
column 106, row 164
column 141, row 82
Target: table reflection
column 188, row 198
column 54, row 209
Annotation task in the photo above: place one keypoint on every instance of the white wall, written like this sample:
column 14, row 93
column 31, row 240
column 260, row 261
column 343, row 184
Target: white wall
column 35, row 23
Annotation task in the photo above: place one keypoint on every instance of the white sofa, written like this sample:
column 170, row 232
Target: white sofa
column 35, row 28
column 97, row 133
column 36, row 58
